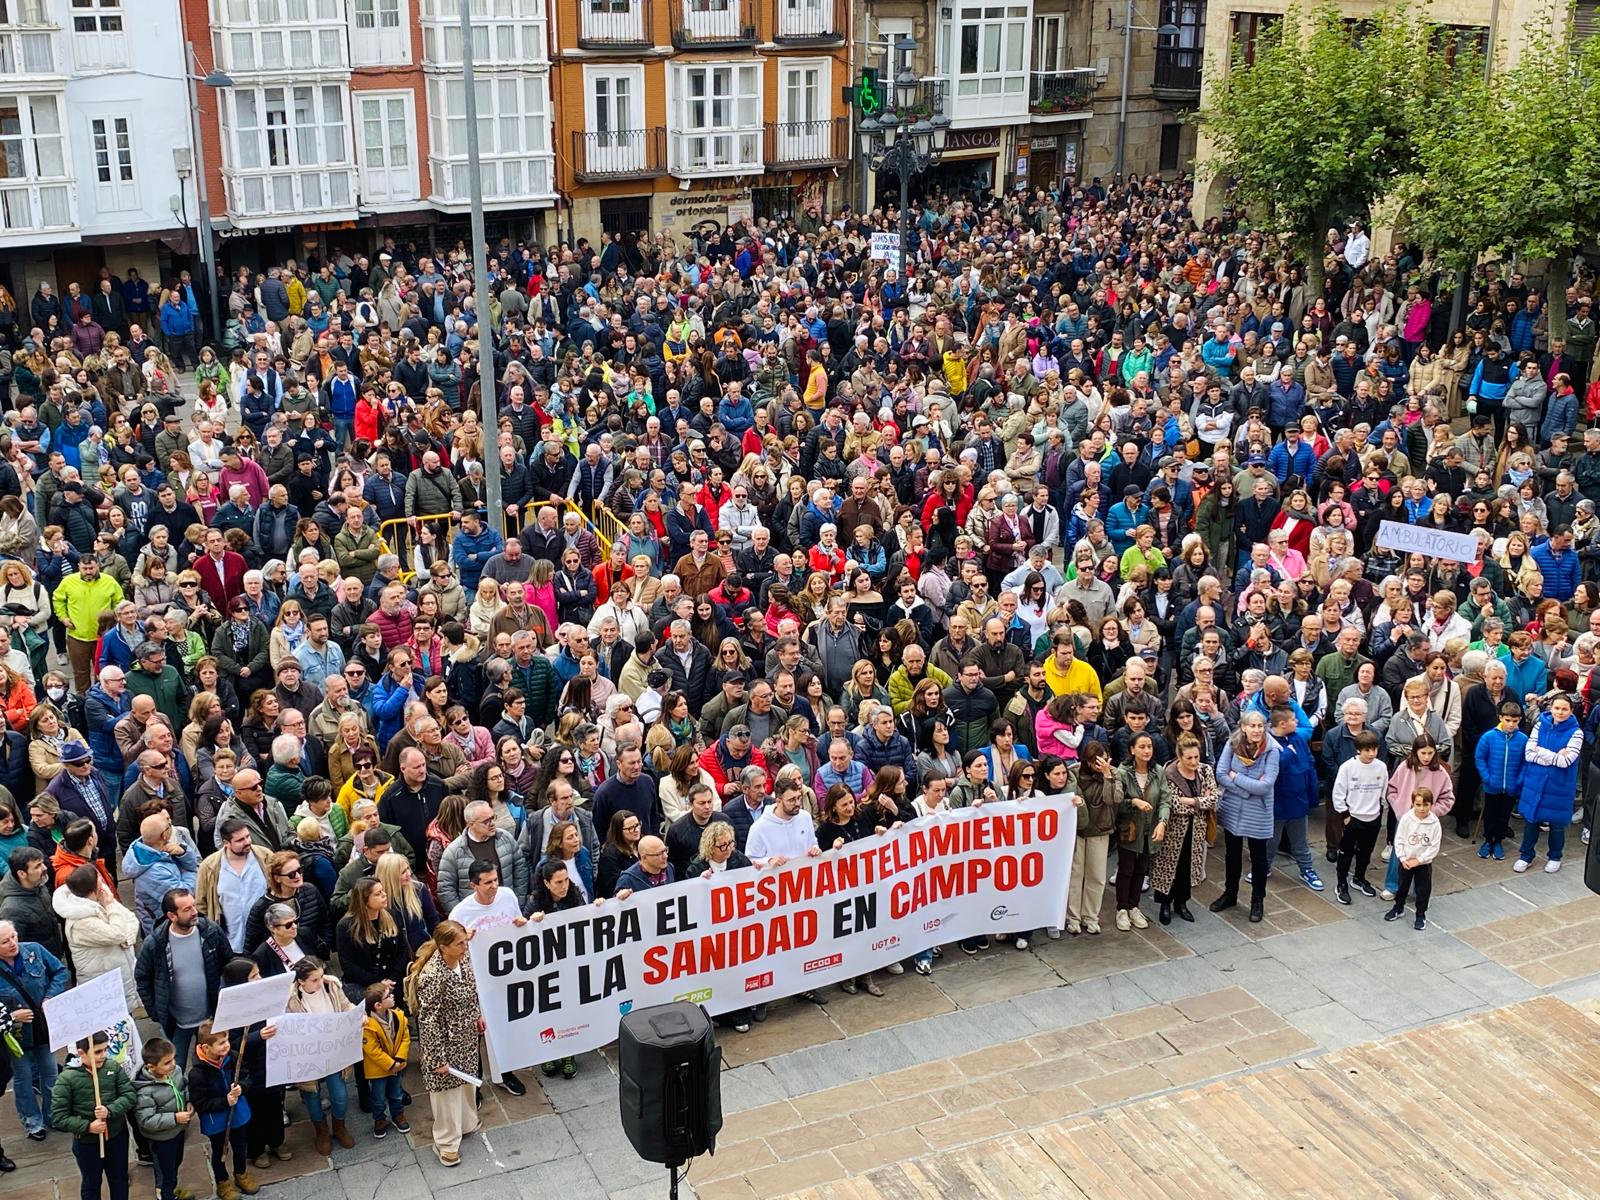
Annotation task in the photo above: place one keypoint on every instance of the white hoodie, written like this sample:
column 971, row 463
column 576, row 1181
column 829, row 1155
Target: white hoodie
column 100, row 936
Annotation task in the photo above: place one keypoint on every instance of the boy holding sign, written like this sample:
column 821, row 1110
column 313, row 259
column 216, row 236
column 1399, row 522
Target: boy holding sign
column 216, row 1089
column 91, row 1101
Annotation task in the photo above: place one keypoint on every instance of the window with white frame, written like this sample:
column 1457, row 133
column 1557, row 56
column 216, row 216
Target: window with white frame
column 513, row 135
column 716, row 118
column 33, row 154
column 504, row 32
column 282, row 35
column 26, row 51
column 96, row 16
column 613, row 103
column 111, row 144
column 1049, row 44
column 24, row 12
column 983, row 52
column 380, row 33
column 287, row 148
column 805, row 129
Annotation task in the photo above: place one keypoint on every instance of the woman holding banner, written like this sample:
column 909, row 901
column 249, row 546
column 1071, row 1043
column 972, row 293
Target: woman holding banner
column 443, row 997
column 315, row 991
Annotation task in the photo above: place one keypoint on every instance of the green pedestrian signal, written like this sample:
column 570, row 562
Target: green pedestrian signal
column 869, row 92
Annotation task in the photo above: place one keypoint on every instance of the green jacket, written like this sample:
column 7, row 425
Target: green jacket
column 1134, row 827
column 357, row 555
column 167, row 689
column 257, row 653
column 72, row 1101
column 283, row 785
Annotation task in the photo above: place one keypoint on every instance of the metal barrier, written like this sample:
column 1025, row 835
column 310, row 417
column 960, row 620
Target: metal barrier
column 394, row 535
column 608, row 527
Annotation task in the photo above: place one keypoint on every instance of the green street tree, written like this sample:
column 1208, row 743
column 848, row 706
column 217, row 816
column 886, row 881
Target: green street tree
column 1312, row 131
column 1511, row 163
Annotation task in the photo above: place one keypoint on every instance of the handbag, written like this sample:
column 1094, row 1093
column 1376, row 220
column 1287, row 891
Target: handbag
column 1211, row 827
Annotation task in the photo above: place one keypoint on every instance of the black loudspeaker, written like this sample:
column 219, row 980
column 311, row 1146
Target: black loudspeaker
column 671, row 1086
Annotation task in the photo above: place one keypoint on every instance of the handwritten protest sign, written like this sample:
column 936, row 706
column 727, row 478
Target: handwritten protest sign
column 560, row 986
column 246, row 1003
column 94, row 1007
column 311, row 1045
column 1419, row 539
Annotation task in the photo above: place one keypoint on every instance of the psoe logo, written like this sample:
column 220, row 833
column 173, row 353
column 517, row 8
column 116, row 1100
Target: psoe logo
column 885, row 943
column 547, row 1035
column 698, row 996
column 822, row 964
column 999, row 913
column 756, row 982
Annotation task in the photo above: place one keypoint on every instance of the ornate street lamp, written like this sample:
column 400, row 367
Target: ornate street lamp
column 903, row 139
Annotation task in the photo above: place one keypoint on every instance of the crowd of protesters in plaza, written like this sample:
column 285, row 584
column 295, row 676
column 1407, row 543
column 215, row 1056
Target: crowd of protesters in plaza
column 797, row 550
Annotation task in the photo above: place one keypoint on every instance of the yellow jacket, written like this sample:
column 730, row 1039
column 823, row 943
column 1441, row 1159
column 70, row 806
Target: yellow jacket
column 297, row 294
column 381, row 1055
column 78, row 602
column 1077, row 679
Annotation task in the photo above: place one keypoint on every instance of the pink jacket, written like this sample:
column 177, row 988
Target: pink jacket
column 1404, row 781
column 1046, row 727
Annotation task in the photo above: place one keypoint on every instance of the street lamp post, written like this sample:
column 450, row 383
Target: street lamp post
column 208, row 245
column 1166, row 34
column 901, row 140
column 488, row 398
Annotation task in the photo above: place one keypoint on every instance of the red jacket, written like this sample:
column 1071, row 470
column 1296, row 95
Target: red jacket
column 223, row 584
column 714, row 759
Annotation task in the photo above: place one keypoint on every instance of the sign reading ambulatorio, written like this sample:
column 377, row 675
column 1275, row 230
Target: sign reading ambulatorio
column 560, row 986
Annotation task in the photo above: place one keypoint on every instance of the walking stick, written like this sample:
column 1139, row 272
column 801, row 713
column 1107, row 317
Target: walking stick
column 238, row 1064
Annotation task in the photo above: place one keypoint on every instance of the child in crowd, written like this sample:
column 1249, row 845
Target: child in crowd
column 1416, row 844
column 1295, row 791
column 76, row 1108
column 216, row 1090
column 1358, row 793
column 385, row 1047
column 164, row 1114
column 1500, row 756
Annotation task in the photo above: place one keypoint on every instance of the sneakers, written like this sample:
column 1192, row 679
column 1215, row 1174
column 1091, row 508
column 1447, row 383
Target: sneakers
column 1021, row 942
column 1394, row 914
column 1341, row 893
column 924, row 967
column 1485, row 850
column 742, row 1027
column 895, row 968
column 1124, row 922
column 1499, row 852
column 448, row 1158
column 512, row 1084
column 1585, row 837
column 1551, row 867
column 1073, row 928
column 1519, row 867
column 1388, row 853
column 400, row 1125
column 1092, row 928
column 871, row 987
column 1053, row 933
column 1312, row 880
column 380, row 1128
column 1386, row 894
column 569, row 1068
column 1365, row 888
column 1420, row 924
column 1138, row 918
column 284, row 1154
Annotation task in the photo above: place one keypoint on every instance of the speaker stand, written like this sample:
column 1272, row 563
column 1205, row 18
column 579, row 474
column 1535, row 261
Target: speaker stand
column 672, row 1174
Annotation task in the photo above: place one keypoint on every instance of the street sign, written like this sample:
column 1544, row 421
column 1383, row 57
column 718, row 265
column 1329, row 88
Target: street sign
column 869, row 92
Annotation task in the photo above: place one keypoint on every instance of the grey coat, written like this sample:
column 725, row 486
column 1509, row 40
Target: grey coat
column 456, row 861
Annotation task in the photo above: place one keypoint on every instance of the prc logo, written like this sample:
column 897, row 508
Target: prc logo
column 547, row 1036
column 756, row 982
column 822, row 964
column 699, row 996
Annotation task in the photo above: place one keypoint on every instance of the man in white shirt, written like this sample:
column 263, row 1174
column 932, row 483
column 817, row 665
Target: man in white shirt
column 783, row 831
column 1357, row 247
column 488, row 904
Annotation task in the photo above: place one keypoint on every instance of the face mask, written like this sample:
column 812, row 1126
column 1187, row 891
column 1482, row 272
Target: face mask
column 56, row 694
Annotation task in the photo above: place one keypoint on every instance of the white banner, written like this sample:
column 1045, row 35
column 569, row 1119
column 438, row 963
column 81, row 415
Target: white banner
column 246, row 1003
column 312, row 1045
column 94, row 1007
column 1419, row 539
column 886, row 248
column 559, row 987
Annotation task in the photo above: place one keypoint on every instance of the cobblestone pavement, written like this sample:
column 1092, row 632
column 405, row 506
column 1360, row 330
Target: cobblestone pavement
column 990, row 1045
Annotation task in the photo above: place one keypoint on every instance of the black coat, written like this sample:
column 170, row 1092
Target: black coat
column 153, row 970
column 315, row 932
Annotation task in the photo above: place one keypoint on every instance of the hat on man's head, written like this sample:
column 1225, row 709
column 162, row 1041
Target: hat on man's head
column 1133, row 489
column 74, row 752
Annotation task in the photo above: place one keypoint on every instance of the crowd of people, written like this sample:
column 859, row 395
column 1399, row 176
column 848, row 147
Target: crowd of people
column 797, row 550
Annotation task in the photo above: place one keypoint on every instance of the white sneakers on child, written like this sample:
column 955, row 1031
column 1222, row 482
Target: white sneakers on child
column 1521, row 865
column 1551, row 867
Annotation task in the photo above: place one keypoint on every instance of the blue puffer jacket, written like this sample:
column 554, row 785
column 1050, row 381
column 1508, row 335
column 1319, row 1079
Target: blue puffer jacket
column 1550, row 778
column 102, row 713
column 1500, row 759
column 1294, row 793
column 155, row 872
column 1246, row 809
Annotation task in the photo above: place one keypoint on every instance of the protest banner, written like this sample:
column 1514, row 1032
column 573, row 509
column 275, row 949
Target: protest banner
column 1420, row 539
column 886, row 248
column 246, row 1003
column 311, row 1045
column 560, row 986
column 90, row 1008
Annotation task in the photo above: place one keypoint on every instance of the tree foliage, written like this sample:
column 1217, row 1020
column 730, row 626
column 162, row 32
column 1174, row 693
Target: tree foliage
column 1511, row 163
column 1313, row 130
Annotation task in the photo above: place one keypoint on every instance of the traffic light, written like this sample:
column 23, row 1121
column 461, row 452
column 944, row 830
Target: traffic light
column 869, row 93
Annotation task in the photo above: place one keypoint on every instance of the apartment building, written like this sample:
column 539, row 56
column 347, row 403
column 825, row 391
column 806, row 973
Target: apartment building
column 93, row 164
column 678, row 114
